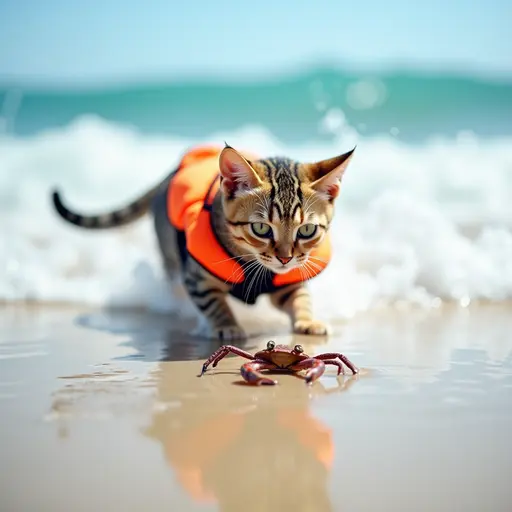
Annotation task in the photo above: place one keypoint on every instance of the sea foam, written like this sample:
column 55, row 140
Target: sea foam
column 420, row 224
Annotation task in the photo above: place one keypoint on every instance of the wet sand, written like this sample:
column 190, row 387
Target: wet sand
column 104, row 411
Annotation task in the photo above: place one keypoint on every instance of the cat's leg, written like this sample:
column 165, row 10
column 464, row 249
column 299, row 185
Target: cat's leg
column 210, row 297
column 295, row 300
column 207, row 294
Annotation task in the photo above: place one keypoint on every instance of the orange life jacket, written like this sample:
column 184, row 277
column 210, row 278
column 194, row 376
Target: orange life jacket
column 192, row 190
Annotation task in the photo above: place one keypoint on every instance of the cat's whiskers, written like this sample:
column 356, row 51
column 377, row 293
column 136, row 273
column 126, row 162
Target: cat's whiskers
column 309, row 272
column 317, row 258
column 264, row 273
column 233, row 258
column 242, row 269
column 267, row 201
column 310, row 202
column 249, row 278
column 263, row 202
column 262, row 211
column 313, row 265
column 305, row 206
column 253, row 279
column 301, row 270
column 245, row 267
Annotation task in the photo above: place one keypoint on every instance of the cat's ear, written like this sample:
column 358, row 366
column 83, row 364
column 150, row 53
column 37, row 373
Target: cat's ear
column 326, row 175
column 236, row 172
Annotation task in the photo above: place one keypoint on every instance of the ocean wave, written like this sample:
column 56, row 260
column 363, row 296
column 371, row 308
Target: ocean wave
column 419, row 224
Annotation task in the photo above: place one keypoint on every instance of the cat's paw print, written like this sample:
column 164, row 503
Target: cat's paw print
column 310, row 327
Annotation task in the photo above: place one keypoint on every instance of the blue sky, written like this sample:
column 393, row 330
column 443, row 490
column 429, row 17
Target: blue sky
column 104, row 40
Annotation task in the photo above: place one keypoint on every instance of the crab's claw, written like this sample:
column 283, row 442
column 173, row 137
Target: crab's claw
column 315, row 367
column 251, row 375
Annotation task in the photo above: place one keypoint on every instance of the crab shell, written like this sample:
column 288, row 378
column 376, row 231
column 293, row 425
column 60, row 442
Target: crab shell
column 282, row 356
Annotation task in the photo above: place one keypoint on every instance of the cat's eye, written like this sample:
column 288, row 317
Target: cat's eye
column 298, row 348
column 307, row 230
column 271, row 345
column 261, row 229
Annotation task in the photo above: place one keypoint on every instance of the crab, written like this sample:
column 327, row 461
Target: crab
column 280, row 357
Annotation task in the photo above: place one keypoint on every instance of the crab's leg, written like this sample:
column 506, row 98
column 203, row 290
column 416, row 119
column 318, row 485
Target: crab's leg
column 316, row 368
column 223, row 352
column 335, row 362
column 343, row 358
column 250, row 372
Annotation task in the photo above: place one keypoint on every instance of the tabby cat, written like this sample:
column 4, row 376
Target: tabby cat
column 231, row 223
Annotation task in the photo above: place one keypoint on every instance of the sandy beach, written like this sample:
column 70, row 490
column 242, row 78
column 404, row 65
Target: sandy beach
column 104, row 411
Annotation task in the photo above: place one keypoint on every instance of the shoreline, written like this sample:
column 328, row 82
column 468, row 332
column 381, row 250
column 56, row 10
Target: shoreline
column 395, row 305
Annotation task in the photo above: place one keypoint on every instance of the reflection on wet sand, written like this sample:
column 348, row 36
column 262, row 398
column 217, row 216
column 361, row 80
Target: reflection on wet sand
column 425, row 426
column 263, row 450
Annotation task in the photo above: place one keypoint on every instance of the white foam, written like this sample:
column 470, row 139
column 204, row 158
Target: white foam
column 396, row 235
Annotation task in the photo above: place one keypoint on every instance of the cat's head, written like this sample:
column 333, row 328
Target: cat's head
column 278, row 210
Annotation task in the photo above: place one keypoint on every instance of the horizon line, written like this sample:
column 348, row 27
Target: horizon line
column 233, row 77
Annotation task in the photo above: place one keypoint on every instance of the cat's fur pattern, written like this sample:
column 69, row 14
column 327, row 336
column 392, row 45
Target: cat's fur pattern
column 280, row 192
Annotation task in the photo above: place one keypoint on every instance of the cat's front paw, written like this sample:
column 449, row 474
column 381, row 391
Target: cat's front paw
column 313, row 327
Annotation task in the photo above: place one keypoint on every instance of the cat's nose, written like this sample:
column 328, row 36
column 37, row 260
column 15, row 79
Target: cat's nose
column 285, row 260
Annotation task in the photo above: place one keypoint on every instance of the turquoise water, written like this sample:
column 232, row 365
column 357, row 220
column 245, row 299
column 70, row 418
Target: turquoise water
column 411, row 107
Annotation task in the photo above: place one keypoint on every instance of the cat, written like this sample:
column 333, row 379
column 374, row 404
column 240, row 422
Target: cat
column 229, row 222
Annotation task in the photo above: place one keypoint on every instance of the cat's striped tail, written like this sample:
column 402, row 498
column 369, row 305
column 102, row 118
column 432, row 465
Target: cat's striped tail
column 117, row 218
